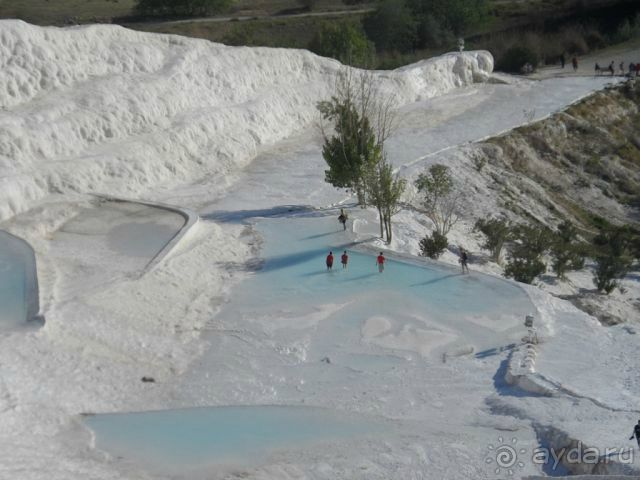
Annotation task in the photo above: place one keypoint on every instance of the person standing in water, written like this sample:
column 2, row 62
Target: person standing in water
column 464, row 259
column 380, row 262
column 344, row 259
column 330, row 261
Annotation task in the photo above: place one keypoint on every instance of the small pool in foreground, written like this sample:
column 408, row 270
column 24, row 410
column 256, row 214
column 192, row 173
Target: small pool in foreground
column 193, row 439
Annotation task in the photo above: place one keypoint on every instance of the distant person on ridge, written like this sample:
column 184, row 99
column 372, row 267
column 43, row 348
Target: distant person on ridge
column 345, row 259
column 343, row 219
column 380, row 262
column 330, row 261
column 464, row 259
column 636, row 433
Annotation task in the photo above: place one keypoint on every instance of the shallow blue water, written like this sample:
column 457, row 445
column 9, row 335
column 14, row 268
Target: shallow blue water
column 263, row 314
column 294, row 277
column 197, row 437
column 17, row 282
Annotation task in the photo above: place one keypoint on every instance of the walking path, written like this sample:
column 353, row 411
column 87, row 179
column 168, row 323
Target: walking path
column 244, row 18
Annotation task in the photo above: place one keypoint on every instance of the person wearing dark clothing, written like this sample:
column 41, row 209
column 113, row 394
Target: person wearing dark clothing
column 636, row 433
column 574, row 62
column 464, row 259
column 612, row 67
column 562, row 60
column 345, row 259
column 330, row 261
column 343, row 219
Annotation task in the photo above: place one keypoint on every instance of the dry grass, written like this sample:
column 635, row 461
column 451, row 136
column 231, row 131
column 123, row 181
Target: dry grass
column 56, row 12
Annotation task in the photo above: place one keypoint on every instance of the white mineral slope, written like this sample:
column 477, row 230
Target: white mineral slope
column 109, row 110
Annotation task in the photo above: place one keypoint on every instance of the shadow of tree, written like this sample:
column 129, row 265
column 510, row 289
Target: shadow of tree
column 436, row 280
column 239, row 216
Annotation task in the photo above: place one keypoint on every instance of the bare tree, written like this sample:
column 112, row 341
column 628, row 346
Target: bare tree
column 385, row 190
column 441, row 197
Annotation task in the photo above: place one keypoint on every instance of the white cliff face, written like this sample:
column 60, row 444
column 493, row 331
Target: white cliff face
column 105, row 109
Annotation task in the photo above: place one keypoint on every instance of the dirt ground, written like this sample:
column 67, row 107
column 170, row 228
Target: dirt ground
column 627, row 52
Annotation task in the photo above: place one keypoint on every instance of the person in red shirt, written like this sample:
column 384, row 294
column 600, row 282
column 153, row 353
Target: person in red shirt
column 345, row 259
column 330, row 261
column 380, row 262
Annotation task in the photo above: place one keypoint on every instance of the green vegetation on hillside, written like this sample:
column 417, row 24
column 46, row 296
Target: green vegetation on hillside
column 191, row 8
column 403, row 31
column 581, row 170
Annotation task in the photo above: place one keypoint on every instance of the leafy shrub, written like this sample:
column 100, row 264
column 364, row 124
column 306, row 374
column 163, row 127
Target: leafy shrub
column 392, row 26
column 568, row 253
column 595, row 40
column 498, row 232
column 344, row 42
column 526, row 263
column 624, row 32
column 432, row 33
column 515, row 58
column 456, row 16
column 573, row 40
column 433, row 246
column 613, row 247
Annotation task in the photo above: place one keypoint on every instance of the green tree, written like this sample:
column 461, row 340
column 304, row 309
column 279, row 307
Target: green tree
column 431, row 32
column 568, row 253
column 525, row 262
column 352, row 149
column 438, row 21
column 344, row 42
column 613, row 257
column 391, row 26
column 440, row 199
column 354, row 152
column 497, row 233
column 362, row 121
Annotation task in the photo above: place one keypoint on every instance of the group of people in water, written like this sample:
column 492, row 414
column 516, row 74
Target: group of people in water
column 344, row 259
column 380, row 259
